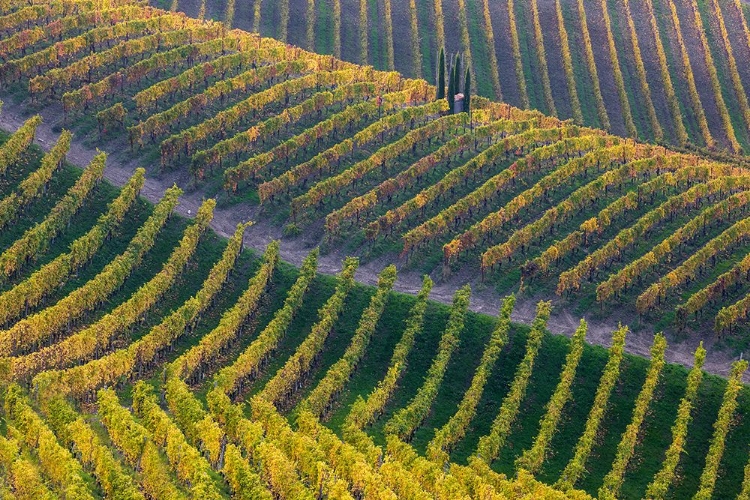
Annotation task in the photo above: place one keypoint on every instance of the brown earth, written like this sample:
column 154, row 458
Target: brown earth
column 600, row 43
column 651, row 63
column 506, row 69
column 484, row 299
column 555, row 66
column 700, row 71
column 402, row 53
column 350, row 49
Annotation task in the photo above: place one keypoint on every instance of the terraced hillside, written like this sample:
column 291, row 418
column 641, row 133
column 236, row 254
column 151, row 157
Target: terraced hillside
column 665, row 70
column 148, row 358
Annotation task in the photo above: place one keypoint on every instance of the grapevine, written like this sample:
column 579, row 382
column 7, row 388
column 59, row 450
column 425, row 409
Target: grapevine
column 641, row 69
column 99, row 336
column 721, row 429
column 34, row 185
column 406, row 421
column 16, row 145
column 607, row 154
column 690, row 78
column 455, row 429
column 247, row 140
column 591, row 64
column 281, row 387
column 55, row 460
column 659, row 486
column 364, row 411
column 485, row 159
column 674, row 105
column 192, row 468
column 37, row 239
column 541, row 55
column 688, row 270
column 625, row 450
column 385, row 190
column 135, row 443
column 576, row 467
column 490, row 445
column 615, row 60
column 533, row 458
column 32, row 290
column 231, row 321
column 303, row 171
column 81, row 381
column 575, row 103
column 715, row 84
column 249, row 362
column 34, row 329
column 516, row 47
column 490, row 42
column 739, row 88
column 319, row 400
column 160, row 123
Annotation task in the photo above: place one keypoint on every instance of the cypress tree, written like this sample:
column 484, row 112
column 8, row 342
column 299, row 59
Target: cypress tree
column 467, row 90
column 441, row 75
column 457, row 75
column 451, row 90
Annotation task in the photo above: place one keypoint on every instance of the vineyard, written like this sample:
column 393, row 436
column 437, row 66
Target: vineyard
column 683, row 82
column 142, row 356
column 371, row 163
column 153, row 359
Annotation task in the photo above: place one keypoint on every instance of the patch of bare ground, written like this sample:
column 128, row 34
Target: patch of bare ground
column 598, row 33
column 700, row 71
column 350, row 49
column 558, row 81
column 484, row 299
column 243, row 15
column 189, row 7
column 738, row 39
column 216, row 9
column 647, row 43
column 452, row 28
column 506, row 65
column 403, row 57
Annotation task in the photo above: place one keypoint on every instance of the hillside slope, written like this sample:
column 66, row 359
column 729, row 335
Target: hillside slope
column 612, row 64
column 142, row 355
column 165, row 362
column 369, row 163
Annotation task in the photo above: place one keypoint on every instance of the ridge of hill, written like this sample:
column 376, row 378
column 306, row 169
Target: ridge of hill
column 674, row 71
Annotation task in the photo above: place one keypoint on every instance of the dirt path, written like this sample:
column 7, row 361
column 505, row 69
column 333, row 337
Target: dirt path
column 483, row 300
